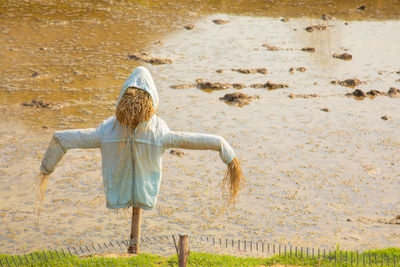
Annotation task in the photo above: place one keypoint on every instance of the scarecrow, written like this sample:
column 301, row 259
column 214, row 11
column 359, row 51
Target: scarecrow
column 132, row 143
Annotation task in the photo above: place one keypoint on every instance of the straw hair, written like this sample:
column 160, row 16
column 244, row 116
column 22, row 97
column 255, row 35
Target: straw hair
column 40, row 192
column 135, row 106
column 232, row 183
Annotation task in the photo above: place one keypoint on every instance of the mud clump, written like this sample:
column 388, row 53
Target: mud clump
column 152, row 60
column 212, row 85
column 177, row 153
column 300, row 69
column 183, row 86
column 238, row 85
column 357, row 93
column 308, row 49
column 315, row 28
column 325, row 109
column 35, row 74
column 252, row 71
column 219, row 71
column 327, row 17
column 363, row 7
column 38, row 103
column 271, row 47
column 360, row 93
column 348, row 82
column 269, row 85
column 238, row 99
column 302, row 95
column 344, row 56
column 189, row 27
column 393, row 92
column 385, row 117
column 220, row 21
column 284, row 20
column 375, row 93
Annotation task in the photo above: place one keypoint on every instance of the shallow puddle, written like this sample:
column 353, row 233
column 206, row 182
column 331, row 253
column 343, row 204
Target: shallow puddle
column 311, row 174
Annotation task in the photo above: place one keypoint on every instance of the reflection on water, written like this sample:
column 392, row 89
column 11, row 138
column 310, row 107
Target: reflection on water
column 304, row 166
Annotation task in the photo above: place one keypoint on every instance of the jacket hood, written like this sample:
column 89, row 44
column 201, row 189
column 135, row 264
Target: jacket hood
column 141, row 78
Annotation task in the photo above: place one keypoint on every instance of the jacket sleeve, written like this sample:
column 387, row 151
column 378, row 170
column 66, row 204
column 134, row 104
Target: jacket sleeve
column 199, row 142
column 64, row 140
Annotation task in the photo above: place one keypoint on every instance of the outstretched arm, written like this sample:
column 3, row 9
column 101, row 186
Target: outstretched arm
column 199, row 142
column 233, row 179
column 64, row 140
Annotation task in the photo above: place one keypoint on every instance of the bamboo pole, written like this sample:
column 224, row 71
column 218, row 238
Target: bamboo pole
column 134, row 245
column 183, row 250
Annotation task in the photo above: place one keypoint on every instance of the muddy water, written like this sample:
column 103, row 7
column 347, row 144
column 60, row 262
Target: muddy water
column 315, row 178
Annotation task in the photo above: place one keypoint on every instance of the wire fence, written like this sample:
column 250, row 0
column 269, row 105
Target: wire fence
column 204, row 251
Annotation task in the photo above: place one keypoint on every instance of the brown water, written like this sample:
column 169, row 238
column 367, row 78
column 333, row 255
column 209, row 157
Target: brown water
column 308, row 171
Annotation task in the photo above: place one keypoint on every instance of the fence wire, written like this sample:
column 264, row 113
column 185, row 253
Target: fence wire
column 204, row 250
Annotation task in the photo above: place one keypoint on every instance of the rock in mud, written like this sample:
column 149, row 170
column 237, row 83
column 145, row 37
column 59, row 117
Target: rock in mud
column 308, row 49
column 220, row 21
column 35, row 74
column 252, row 71
column 316, row 28
column 393, row 92
column 349, row 82
column 325, row 109
column 357, row 93
column 183, row 86
column 152, row 60
column 385, row 117
column 212, row 85
column 177, row 153
column 344, row 56
column 238, row 99
column 189, row 27
column 285, row 19
column 269, row 85
column 38, row 103
column 303, row 95
column 219, row 71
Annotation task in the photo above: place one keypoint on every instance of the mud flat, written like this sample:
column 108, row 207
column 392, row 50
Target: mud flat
column 303, row 166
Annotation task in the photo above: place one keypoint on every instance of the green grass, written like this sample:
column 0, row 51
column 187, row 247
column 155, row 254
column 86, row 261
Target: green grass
column 341, row 258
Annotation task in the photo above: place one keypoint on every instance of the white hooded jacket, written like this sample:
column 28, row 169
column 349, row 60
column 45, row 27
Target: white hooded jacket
column 132, row 173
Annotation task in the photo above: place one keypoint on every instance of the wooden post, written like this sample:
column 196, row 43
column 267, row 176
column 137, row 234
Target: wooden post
column 183, row 250
column 134, row 245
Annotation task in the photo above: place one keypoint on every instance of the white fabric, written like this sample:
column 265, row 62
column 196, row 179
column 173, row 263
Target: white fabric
column 132, row 173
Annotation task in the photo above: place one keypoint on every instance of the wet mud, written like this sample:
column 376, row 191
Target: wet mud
column 143, row 56
column 238, row 99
